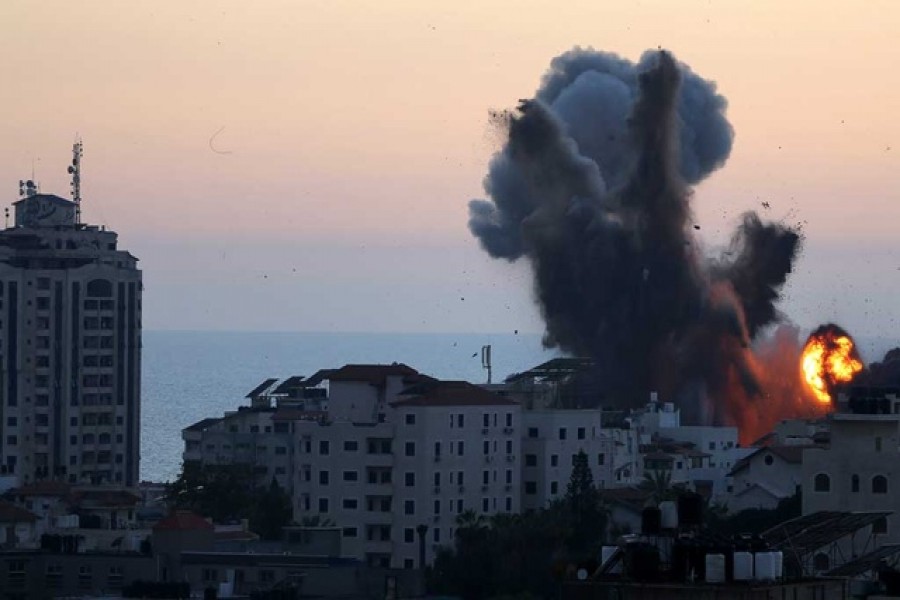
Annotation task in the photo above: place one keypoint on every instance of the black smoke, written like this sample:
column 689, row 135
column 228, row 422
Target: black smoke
column 592, row 188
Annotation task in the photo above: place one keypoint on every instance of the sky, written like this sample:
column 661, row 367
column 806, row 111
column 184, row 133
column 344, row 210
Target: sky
column 306, row 165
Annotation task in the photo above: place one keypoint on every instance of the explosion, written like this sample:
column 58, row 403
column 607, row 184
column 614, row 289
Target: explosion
column 829, row 359
column 593, row 188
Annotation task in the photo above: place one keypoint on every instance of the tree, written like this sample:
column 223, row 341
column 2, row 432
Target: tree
column 660, row 482
column 271, row 511
column 583, row 511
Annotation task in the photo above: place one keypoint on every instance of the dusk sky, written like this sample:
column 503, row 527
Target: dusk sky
column 306, row 165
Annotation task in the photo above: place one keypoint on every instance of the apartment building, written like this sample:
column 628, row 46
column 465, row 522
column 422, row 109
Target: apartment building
column 552, row 439
column 857, row 471
column 70, row 339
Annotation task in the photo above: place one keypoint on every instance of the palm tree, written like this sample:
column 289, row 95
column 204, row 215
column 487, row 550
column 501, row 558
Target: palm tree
column 660, row 482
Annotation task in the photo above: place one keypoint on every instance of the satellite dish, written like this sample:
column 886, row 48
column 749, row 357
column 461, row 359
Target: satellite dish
column 71, row 169
column 581, row 574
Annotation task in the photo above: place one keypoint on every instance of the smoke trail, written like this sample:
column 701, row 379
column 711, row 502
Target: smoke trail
column 592, row 188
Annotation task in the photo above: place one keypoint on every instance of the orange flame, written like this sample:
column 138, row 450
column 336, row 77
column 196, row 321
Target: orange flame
column 829, row 358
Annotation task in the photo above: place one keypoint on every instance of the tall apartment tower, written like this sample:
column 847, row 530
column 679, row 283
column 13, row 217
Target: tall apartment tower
column 70, row 347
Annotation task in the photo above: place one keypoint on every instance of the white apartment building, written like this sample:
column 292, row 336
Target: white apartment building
column 552, row 439
column 396, row 453
column 70, row 348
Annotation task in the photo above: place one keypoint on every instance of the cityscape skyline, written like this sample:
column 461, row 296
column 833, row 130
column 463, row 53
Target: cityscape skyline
column 246, row 171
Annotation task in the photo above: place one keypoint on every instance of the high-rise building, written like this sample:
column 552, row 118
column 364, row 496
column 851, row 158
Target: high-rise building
column 70, row 346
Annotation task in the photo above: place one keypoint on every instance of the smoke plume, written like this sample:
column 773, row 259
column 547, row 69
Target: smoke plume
column 592, row 188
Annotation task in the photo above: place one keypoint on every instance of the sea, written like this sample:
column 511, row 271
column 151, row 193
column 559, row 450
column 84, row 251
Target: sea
column 192, row 375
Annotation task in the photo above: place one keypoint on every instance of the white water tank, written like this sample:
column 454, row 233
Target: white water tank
column 743, row 566
column 669, row 514
column 765, row 566
column 606, row 553
column 715, row 568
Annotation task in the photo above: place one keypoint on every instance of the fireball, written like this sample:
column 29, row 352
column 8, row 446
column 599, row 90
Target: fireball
column 829, row 359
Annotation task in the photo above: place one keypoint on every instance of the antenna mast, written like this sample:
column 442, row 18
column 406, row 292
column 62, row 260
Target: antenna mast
column 486, row 361
column 75, row 172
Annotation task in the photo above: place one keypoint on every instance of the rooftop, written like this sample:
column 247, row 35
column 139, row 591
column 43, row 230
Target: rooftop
column 450, row 393
column 183, row 520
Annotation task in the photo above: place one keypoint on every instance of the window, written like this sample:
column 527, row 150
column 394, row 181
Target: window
column 821, row 562
column 530, row 488
column 116, row 576
column 280, row 450
column 581, row 433
column 410, row 419
column 409, row 535
column 880, row 526
column 437, row 449
column 531, row 460
column 436, row 535
column 460, row 420
column 323, row 505
column 487, row 420
column 323, row 448
column 554, row 487
column 437, row 479
column 437, row 507
column 562, row 433
column 854, row 484
column 487, row 447
column 532, row 432
column 410, row 449
column 601, row 459
column 351, row 446
column 768, row 460
column 323, row 477
column 509, row 447
column 508, row 504
column 822, row 483
column 351, row 476
column 460, row 447
column 350, row 504
column 879, row 484
column 509, row 477
column 409, row 507
column 712, row 445
column 485, row 505
column 509, row 419
column 409, row 479
column 85, row 576
column 485, row 477
column 347, row 532
column 554, row 460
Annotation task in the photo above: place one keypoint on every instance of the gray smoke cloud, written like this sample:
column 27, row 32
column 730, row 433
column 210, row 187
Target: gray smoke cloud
column 592, row 187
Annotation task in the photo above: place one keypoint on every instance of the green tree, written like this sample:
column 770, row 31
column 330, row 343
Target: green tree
column 660, row 483
column 583, row 512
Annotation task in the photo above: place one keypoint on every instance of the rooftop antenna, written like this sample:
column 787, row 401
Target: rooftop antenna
column 75, row 172
column 486, row 360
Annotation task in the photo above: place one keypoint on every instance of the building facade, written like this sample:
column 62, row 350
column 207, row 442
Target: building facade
column 70, row 339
